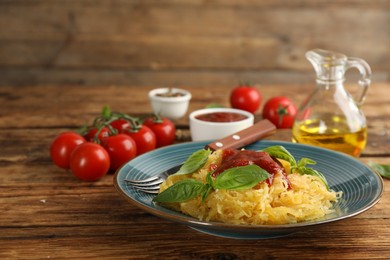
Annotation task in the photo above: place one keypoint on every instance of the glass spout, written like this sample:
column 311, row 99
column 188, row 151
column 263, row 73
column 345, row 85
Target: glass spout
column 328, row 65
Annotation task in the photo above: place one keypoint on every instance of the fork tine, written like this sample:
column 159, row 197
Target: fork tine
column 150, row 179
column 155, row 183
column 149, row 185
column 156, row 191
column 151, row 188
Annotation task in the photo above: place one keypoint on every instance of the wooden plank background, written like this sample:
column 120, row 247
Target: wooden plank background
column 184, row 43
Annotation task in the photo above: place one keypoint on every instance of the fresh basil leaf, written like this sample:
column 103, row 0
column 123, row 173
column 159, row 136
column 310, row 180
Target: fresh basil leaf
column 302, row 169
column 206, row 191
column 382, row 169
column 280, row 152
column 181, row 191
column 305, row 161
column 311, row 171
column 209, row 179
column 194, row 162
column 240, row 178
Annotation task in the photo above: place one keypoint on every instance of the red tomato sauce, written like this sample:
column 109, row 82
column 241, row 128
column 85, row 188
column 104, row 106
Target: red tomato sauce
column 221, row 117
column 235, row 158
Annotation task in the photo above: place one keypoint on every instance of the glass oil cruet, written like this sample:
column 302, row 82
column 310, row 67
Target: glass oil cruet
column 331, row 117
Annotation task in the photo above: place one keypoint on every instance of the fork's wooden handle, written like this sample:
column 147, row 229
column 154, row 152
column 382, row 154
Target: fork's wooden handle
column 244, row 137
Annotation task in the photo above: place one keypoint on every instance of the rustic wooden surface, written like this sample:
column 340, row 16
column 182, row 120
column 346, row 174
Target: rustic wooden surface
column 45, row 212
column 192, row 42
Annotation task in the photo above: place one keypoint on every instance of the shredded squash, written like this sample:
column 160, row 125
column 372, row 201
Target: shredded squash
column 306, row 199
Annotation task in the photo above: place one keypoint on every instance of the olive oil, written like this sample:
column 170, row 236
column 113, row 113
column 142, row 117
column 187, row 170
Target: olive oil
column 333, row 134
column 331, row 117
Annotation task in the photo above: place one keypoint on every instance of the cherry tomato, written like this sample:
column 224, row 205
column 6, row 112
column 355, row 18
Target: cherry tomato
column 62, row 147
column 89, row 161
column 102, row 136
column 121, row 148
column 145, row 139
column 245, row 98
column 163, row 128
column 121, row 125
column 281, row 111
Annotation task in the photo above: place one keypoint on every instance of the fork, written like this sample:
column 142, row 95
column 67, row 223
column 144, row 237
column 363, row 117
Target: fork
column 149, row 185
column 244, row 137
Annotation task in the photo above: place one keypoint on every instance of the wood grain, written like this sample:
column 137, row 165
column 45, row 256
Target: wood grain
column 191, row 43
column 47, row 213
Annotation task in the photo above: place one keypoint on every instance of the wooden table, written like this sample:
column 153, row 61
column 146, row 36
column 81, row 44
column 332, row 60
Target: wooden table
column 45, row 212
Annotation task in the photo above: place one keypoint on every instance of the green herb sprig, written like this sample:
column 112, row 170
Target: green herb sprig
column 196, row 161
column 237, row 178
column 280, row 152
column 382, row 169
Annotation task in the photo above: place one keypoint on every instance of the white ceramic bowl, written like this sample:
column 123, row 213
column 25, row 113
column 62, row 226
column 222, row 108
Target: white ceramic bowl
column 170, row 107
column 205, row 130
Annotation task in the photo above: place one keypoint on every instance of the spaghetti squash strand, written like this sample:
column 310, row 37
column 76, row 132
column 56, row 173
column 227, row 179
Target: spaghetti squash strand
column 307, row 199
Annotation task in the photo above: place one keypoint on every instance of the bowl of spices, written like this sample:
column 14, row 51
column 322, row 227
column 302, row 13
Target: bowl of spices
column 216, row 123
column 171, row 103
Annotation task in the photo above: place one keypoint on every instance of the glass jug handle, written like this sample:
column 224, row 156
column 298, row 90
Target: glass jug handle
column 365, row 72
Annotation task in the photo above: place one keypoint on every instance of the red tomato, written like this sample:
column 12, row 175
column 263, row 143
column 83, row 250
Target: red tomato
column 163, row 128
column 245, row 98
column 145, row 139
column 62, row 147
column 89, row 161
column 121, row 148
column 281, row 111
column 121, row 125
column 102, row 136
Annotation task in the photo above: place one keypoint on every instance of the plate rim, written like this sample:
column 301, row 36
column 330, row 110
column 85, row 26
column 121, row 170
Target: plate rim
column 200, row 224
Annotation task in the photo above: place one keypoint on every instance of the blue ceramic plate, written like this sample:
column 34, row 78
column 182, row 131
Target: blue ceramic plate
column 362, row 187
